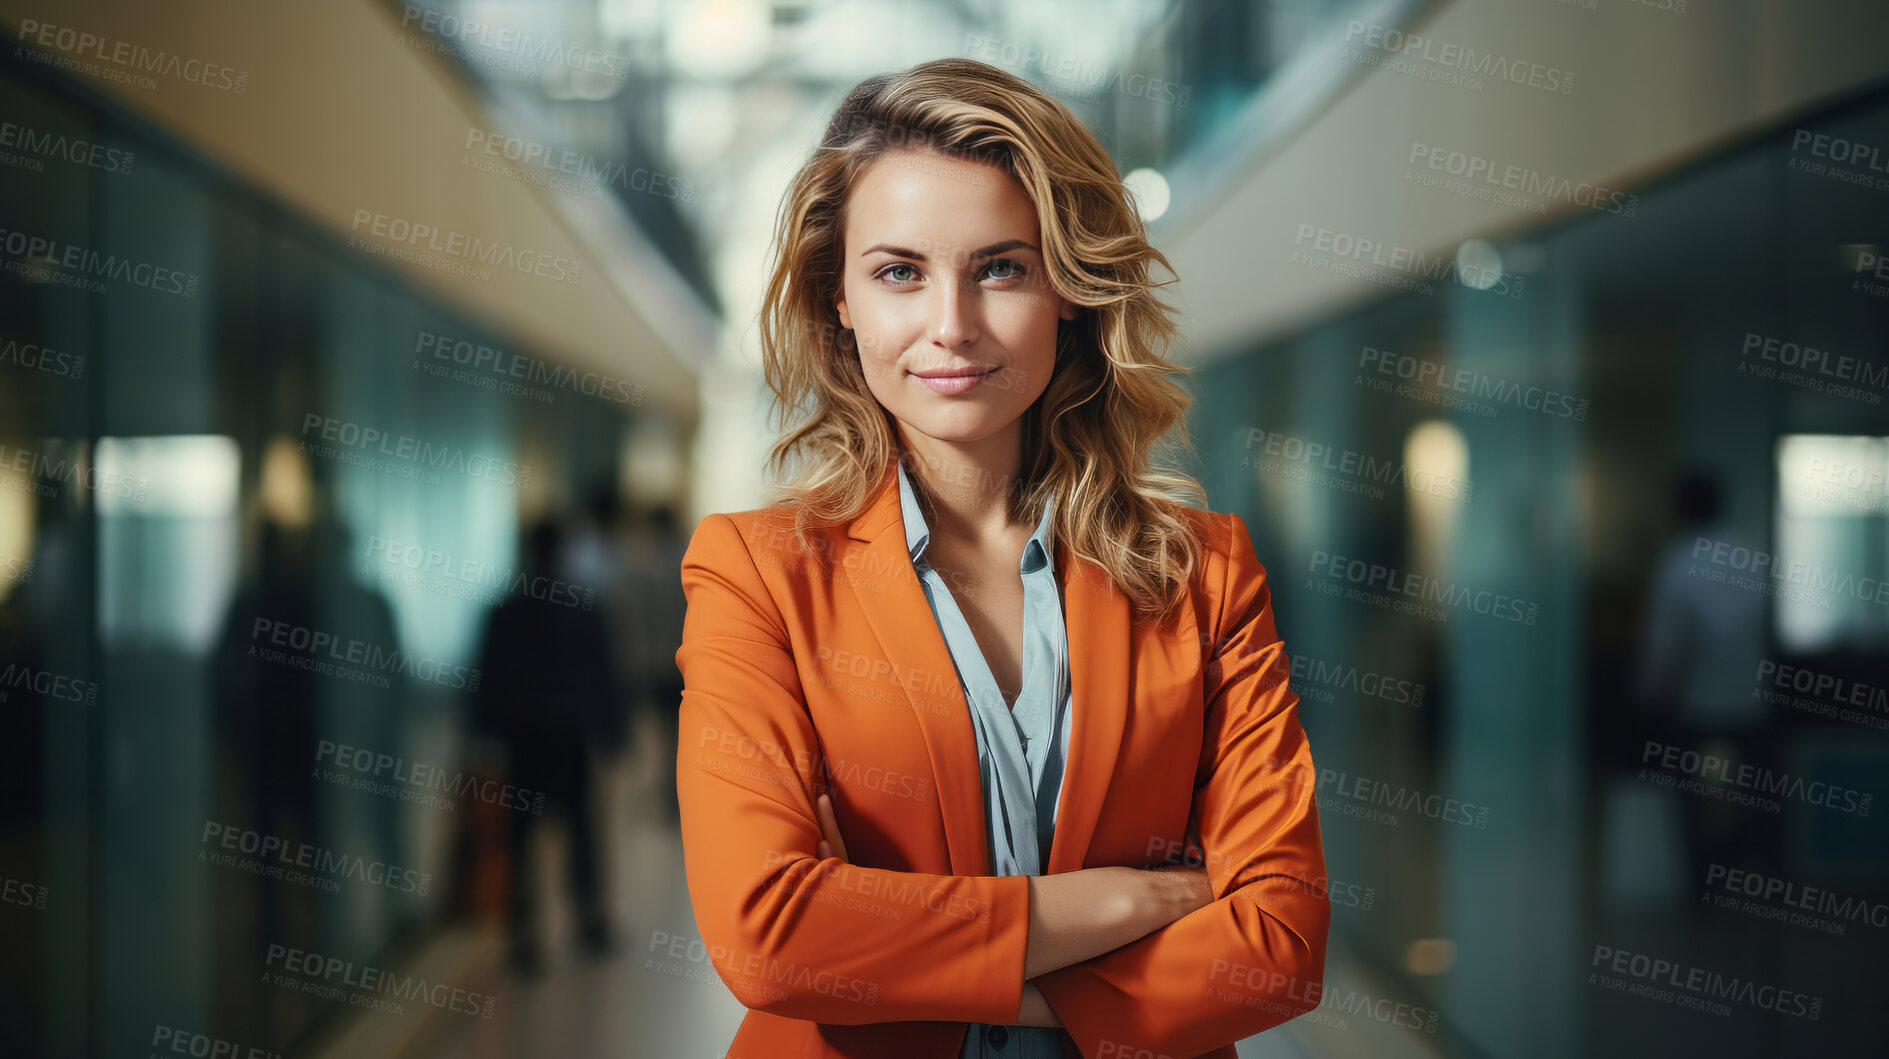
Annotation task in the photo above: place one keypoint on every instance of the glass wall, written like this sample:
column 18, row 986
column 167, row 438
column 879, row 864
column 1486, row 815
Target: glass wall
column 1578, row 545
column 259, row 497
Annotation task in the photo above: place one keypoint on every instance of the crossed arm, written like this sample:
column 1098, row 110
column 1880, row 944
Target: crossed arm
column 1075, row 915
column 1180, row 961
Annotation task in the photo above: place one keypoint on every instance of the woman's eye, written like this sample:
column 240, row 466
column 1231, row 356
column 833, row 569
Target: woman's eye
column 898, row 273
column 1004, row 268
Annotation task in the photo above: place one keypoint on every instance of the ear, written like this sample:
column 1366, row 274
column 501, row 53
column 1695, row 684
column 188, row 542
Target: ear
column 846, row 318
column 1069, row 310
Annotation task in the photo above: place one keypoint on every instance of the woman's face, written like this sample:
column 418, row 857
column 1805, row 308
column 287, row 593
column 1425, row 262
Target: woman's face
column 943, row 285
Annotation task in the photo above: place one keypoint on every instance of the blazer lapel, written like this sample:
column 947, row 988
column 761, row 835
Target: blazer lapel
column 909, row 636
column 1097, row 618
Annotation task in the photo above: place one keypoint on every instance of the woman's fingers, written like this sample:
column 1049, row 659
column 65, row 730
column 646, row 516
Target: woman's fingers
column 829, row 827
column 1197, row 886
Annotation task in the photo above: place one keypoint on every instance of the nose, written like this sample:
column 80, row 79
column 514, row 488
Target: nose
column 953, row 314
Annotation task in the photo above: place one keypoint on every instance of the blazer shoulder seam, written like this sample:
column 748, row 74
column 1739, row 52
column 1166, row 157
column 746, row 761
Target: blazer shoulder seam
column 741, row 522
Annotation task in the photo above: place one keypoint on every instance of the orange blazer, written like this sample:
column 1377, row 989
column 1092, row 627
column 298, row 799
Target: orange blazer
column 820, row 668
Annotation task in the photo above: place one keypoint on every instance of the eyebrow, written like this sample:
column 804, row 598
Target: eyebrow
column 990, row 251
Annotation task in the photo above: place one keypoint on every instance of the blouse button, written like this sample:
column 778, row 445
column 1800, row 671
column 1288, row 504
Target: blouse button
column 996, row 1035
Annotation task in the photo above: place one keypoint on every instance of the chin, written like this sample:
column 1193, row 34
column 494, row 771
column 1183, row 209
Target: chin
column 958, row 426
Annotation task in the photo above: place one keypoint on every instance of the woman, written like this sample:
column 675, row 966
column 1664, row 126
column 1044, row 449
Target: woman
column 981, row 664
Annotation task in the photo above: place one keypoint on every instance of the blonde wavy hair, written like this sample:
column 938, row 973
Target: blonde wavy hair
column 1092, row 438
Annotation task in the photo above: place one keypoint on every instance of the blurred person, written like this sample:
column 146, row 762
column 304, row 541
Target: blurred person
column 265, row 714
column 982, row 665
column 1702, row 640
column 273, row 710
column 593, row 563
column 547, row 696
column 654, row 561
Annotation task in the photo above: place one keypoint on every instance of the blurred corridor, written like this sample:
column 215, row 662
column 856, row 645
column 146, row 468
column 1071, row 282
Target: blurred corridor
column 366, row 365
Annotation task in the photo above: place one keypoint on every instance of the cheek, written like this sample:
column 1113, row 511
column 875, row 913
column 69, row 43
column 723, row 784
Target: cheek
column 878, row 327
column 1027, row 326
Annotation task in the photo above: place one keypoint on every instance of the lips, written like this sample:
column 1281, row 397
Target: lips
column 954, row 373
column 954, row 381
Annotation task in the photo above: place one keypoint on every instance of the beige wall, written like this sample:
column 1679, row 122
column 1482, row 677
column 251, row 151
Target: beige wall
column 1652, row 89
column 338, row 115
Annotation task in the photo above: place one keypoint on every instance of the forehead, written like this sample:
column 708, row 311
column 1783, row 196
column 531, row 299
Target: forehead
column 910, row 198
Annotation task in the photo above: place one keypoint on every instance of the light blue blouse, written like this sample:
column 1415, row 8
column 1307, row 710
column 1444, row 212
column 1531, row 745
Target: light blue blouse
column 1020, row 748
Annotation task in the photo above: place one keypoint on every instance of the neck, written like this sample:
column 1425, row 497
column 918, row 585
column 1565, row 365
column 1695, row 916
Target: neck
column 970, row 483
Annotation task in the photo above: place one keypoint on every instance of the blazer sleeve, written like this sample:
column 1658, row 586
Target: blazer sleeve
column 793, row 935
column 1255, row 957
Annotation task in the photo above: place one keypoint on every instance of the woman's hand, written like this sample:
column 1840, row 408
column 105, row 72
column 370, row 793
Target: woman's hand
column 1076, row 915
column 832, row 845
column 1174, row 890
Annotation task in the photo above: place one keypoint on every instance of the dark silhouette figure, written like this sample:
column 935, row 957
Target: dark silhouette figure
column 265, row 708
column 1702, row 640
column 592, row 560
column 273, row 707
column 547, row 696
column 654, row 629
